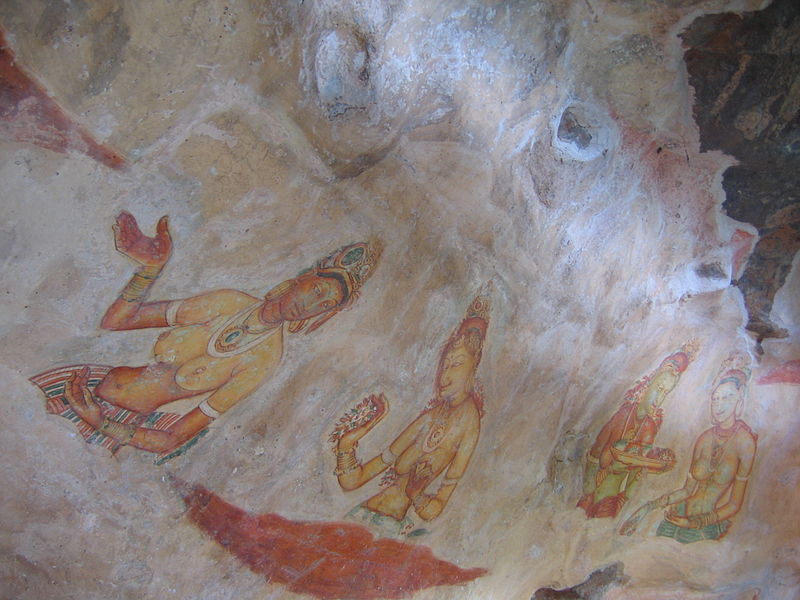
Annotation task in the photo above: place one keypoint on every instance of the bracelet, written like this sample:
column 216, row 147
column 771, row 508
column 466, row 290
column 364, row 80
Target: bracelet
column 140, row 283
column 388, row 457
column 119, row 432
column 704, row 520
column 346, row 462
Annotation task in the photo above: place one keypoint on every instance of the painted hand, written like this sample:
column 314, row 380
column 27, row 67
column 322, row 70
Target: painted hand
column 80, row 398
column 673, row 517
column 420, row 477
column 147, row 251
column 380, row 408
column 629, row 526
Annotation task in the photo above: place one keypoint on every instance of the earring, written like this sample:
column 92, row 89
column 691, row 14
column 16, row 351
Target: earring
column 297, row 326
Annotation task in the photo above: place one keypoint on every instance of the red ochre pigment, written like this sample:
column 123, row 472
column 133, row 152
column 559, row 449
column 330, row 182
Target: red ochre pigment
column 788, row 372
column 28, row 114
column 325, row 560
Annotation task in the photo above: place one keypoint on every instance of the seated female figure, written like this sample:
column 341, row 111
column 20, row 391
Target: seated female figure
column 607, row 482
column 220, row 346
column 717, row 480
column 439, row 442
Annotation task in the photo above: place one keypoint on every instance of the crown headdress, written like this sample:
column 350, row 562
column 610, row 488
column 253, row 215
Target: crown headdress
column 680, row 360
column 352, row 264
column 734, row 369
column 475, row 323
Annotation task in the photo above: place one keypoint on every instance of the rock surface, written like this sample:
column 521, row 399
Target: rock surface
column 610, row 166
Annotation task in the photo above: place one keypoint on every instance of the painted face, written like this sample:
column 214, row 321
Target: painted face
column 725, row 400
column 310, row 296
column 456, row 373
column 657, row 389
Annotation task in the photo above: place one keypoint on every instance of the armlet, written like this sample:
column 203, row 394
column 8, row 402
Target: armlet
column 172, row 312
column 208, row 410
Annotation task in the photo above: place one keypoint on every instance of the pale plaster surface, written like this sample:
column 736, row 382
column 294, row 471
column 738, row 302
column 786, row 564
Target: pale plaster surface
column 249, row 125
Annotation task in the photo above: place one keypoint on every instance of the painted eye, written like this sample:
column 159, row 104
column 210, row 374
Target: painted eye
column 317, row 289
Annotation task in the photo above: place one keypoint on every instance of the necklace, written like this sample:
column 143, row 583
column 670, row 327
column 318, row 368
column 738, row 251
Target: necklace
column 437, row 430
column 719, row 439
column 236, row 336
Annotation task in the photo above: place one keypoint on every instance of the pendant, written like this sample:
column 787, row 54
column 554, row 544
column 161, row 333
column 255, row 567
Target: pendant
column 233, row 337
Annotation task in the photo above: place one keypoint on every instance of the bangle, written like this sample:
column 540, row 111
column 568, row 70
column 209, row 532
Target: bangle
column 346, row 462
column 388, row 457
column 140, row 283
column 119, row 432
column 703, row 520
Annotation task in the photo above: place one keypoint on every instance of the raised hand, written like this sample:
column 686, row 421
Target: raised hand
column 147, row 251
column 378, row 407
column 80, row 398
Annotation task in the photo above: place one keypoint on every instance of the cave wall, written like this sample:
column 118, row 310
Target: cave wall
column 612, row 177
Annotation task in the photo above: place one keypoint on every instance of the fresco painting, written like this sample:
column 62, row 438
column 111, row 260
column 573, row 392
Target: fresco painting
column 521, row 155
column 218, row 346
column 722, row 462
column 436, row 446
column 321, row 559
column 624, row 450
column 336, row 559
column 28, row 114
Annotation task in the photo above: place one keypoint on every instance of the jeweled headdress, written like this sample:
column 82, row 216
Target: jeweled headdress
column 472, row 331
column 474, row 324
column 352, row 264
column 734, row 369
column 680, row 360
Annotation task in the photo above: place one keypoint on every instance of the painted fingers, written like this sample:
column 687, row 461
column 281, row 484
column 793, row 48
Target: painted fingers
column 130, row 241
column 80, row 398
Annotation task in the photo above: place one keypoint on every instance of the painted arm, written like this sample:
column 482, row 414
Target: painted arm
column 431, row 506
column 82, row 401
column 350, row 473
column 610, row 433
column 728, row 510
column 668, row 499
column 130, row 310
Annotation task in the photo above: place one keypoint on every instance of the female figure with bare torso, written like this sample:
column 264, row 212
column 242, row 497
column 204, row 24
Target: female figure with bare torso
column 220, row 346
column 722, row 460
column 439, row 442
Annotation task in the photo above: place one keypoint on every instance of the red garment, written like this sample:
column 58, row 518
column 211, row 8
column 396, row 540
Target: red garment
column 607, row 507
column 326, row 560
column 622, row 426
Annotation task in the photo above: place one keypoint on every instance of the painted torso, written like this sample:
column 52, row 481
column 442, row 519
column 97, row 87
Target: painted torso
column 183, row 365
column 715, row 466
column 442, row 429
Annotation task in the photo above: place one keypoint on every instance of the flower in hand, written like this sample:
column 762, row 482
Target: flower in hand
column 147, row 251
column 80, row 398
column 358, row 421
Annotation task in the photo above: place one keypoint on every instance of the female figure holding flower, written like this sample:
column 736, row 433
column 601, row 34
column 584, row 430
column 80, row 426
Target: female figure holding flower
column 438, row 443
column 217, row 347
